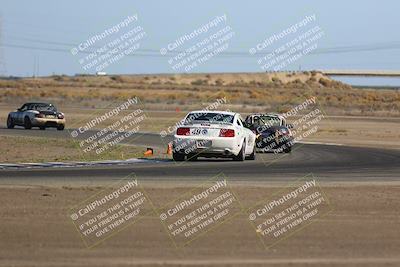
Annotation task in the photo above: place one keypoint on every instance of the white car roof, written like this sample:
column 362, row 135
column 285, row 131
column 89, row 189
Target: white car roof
column 214, row 111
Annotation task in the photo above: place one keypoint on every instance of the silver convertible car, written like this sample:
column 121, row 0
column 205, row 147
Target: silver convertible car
column 42, row 115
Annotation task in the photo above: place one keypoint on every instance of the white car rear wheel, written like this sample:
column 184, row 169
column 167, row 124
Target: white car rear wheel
column 242, row 154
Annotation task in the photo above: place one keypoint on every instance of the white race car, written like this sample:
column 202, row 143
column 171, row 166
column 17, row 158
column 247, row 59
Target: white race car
column 213, row 134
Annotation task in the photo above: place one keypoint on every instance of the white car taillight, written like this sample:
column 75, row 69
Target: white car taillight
column 227, row 133
column 183, row 131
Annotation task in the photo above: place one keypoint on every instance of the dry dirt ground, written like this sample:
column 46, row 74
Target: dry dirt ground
column 362, row 229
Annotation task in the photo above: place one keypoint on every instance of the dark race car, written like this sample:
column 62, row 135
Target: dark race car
column 273, row 133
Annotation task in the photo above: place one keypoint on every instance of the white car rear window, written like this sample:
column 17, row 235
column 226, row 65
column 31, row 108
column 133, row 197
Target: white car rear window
column 209, row 117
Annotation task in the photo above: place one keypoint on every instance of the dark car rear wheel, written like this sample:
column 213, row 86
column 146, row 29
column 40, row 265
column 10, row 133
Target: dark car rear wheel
column 252, row 156
column 42, row 127
column 288, row 149
column 27, row 123
column 10, row 122
column 178, row 156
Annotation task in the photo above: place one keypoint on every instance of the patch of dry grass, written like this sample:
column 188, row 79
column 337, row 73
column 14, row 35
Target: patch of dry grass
column 249, row 91
column 39, row 149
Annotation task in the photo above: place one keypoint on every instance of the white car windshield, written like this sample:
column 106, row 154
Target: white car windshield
column 209, row 117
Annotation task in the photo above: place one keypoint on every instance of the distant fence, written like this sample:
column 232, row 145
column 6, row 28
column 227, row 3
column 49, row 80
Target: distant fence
column 377, row 73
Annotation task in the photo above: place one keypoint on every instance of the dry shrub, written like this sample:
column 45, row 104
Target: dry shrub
column 325, row 82
column 199, row 82
column 276, row 80
column 219, row 82
column 312, row 80
column 118, row 79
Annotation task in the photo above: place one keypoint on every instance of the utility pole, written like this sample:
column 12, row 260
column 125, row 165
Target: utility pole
column 35, row 71
column 34, row 67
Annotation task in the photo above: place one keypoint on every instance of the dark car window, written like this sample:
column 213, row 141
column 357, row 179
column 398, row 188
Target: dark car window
column 24, row 107
column 267, row 121
column 247, row 123
column 239, row 122
column 43, row 107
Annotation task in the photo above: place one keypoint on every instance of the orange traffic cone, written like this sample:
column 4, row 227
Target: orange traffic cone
column 149, row 152
column 169, row 149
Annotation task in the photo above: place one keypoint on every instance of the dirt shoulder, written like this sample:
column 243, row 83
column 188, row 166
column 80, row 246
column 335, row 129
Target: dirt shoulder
column 23, row 149
column 361, row 229
column 378, row 132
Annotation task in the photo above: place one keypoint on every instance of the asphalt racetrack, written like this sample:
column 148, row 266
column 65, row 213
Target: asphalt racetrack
column 327, row 162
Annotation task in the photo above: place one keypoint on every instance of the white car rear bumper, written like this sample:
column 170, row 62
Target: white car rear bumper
column 206, row 145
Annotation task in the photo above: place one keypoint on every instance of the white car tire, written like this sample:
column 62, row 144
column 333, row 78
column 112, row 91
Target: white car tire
column 242, row 153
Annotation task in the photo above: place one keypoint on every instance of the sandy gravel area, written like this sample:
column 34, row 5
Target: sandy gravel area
column 362, row 229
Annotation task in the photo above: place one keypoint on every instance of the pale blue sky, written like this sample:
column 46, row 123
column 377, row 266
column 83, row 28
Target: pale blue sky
column 32, row 30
